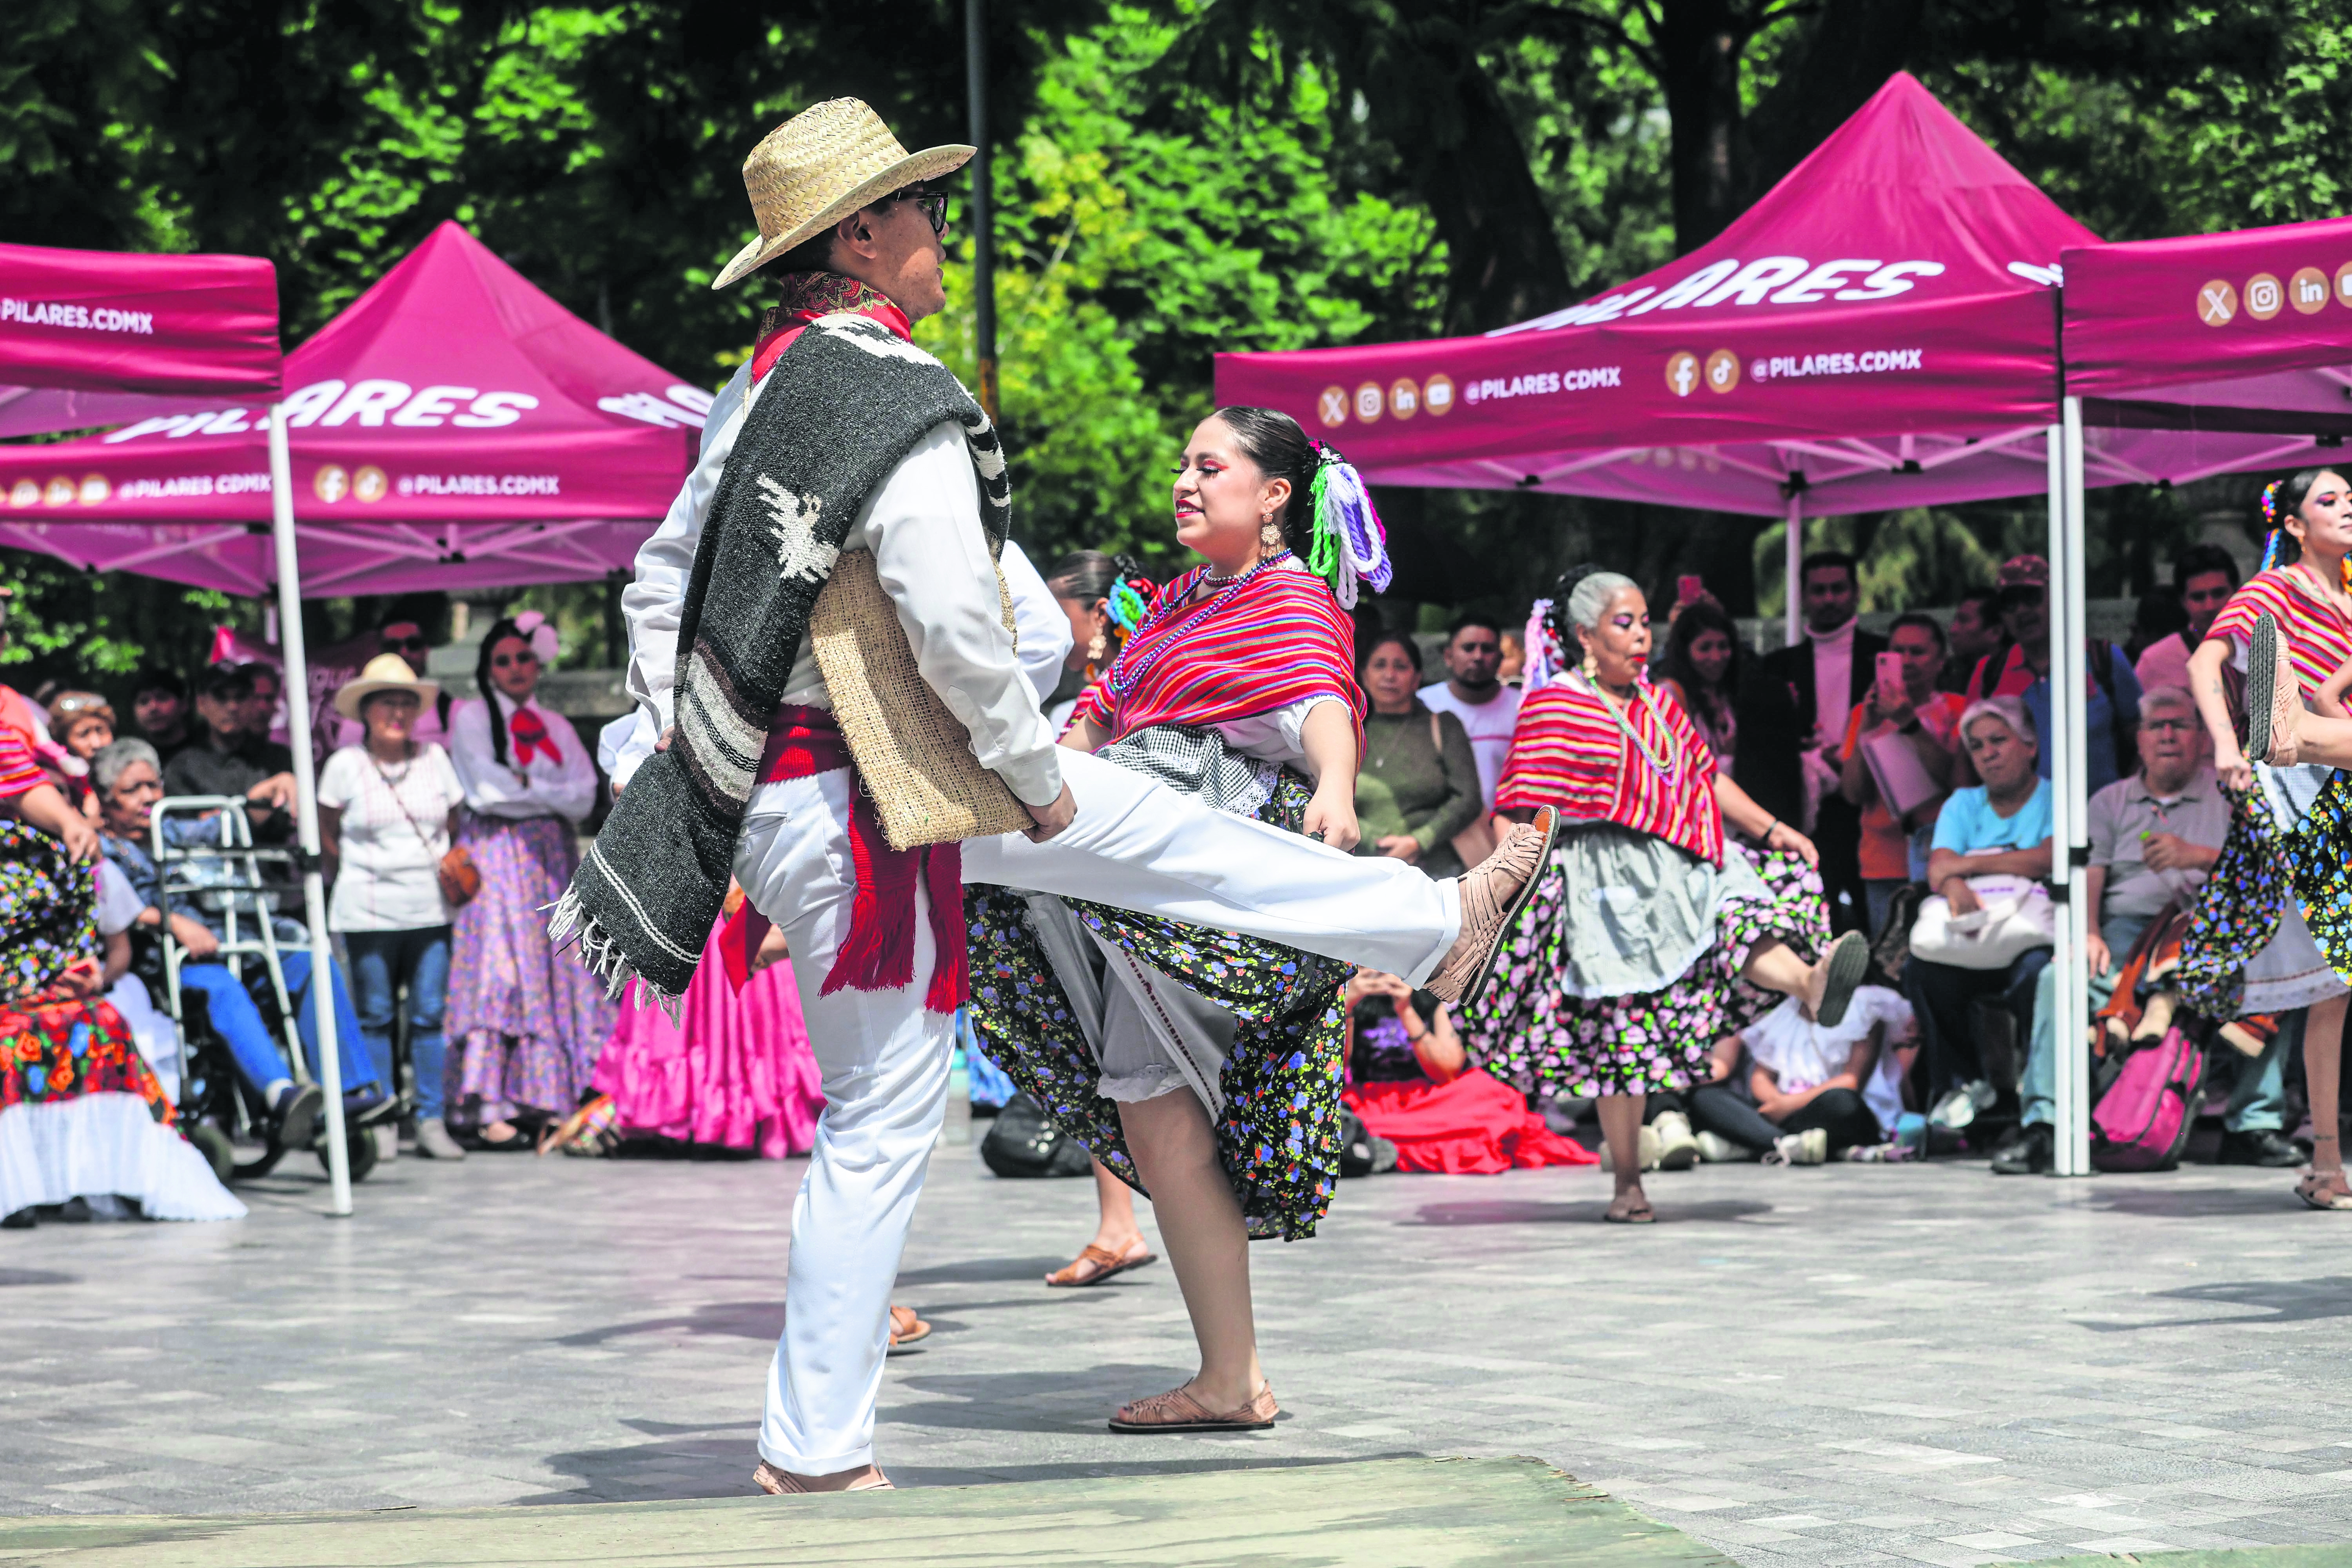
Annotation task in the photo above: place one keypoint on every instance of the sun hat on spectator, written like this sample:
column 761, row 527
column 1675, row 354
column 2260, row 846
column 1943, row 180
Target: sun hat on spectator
column 2023, row 571
column 385, row 672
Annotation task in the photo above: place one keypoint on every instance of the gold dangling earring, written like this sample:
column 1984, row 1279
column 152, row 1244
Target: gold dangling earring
column 1268, row 535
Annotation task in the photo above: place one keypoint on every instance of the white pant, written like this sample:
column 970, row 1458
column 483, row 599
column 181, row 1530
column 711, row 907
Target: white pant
column 1135, row 845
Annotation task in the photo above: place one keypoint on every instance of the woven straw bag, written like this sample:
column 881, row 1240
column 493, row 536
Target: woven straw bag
column 914, row 757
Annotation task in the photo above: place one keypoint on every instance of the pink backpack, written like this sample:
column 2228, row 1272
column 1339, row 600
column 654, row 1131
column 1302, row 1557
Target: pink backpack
column 2142, row 1123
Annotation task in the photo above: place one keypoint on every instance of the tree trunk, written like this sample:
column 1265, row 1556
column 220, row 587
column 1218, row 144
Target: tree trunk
column 1503, row 258
column 1848, row 54
column 1698, row 48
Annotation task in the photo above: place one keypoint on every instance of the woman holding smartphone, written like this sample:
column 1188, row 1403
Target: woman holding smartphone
column 1903, row 710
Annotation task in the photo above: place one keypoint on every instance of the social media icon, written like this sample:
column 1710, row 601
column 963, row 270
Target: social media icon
column 2217, row 302
column 1722, row 371
column 2265, row 296
column 1332, row 407
column 1682, row 374
column 1368, row 399
column 1437, row 395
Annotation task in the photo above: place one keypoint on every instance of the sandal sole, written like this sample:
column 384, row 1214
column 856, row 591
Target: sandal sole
column 1518, row 905
column 2262, row 683
column 1110, row 1273
column 1848, row 961
column 1116, row 1424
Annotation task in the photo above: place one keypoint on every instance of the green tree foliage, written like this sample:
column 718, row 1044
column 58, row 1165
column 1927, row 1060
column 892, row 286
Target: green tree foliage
column 1174, row 177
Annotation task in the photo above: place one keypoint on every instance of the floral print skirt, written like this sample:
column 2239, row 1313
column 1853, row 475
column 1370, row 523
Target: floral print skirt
column 525, row 1022
column 1528, row 1031
column 1279, row 1135
column 48, row 909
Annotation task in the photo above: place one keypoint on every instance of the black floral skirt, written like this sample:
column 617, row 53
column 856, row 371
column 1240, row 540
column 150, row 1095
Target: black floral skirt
column 1528, row 1031
column 1278, row 1136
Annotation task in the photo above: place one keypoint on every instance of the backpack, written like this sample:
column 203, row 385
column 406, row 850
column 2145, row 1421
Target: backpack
column 2143, row 1118
column 1022, row 1142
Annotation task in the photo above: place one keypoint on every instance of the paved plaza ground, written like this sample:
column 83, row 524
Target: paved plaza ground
column 1851, row 1365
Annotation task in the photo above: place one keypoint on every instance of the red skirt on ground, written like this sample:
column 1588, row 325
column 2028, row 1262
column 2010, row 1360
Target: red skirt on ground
column 1473, row 1126
column 738, row 1075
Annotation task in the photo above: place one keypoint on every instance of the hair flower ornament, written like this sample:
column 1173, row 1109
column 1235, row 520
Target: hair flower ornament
column 540, row 632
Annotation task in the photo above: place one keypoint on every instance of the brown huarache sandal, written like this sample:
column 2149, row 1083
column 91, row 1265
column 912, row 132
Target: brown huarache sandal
column 1637, row 1211
column 1097, row 1264
column 906, row 1328
column 1177, row 1411
column 783, row 1483
column 1486, row 920
column 1843, row 968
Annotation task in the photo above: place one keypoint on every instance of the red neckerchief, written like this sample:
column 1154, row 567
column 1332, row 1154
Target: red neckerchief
column 807, row 296
column 879, row 955
column 528, row 732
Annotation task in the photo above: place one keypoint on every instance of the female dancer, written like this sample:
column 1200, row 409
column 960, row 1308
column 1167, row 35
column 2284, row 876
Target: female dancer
column 524, row 1021
column 2290, row 628
column 1214, row 1058
column 1104, row 597
column 1649, row 933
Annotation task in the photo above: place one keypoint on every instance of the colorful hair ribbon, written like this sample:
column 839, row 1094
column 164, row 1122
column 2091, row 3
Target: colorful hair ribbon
column 2269, row 522
column 1350, row 542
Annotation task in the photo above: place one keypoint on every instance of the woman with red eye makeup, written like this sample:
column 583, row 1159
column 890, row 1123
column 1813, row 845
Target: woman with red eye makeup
column 1204, row 1067
column 2268, row 934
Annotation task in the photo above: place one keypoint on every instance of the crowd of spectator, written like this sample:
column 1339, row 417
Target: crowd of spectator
column 1915, row 760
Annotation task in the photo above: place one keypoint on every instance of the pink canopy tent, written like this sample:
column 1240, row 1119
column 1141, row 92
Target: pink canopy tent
column 90, row 338
column 454, row 427
column 1877, row 331
column 93, row 337
column 2239, row 345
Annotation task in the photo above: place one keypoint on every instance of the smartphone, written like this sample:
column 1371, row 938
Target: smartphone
column 1890, row 678
column 1689, row 590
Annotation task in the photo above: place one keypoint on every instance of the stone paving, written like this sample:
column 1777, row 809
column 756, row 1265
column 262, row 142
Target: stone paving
column 1851, row 1365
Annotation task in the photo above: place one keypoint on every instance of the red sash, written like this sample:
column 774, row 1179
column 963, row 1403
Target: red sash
column 880, row 952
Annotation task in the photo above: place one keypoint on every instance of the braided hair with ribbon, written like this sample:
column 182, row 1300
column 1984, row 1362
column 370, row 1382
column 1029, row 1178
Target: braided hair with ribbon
column 531, row 738
column 1117, row 584
column 2280, row 499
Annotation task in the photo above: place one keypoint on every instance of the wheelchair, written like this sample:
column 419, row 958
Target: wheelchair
column 210, row 858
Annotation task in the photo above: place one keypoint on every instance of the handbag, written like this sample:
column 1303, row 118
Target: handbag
column 460, row 879
column 914, row 757
column 2016, row 916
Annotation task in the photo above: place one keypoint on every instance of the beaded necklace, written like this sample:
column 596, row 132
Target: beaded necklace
column 1666, row 770
column 1121, row 678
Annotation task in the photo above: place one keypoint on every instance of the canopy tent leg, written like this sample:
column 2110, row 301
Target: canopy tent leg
column 1791, row 631
column 2072, row 718
column 2057, row 745
column 306, row 809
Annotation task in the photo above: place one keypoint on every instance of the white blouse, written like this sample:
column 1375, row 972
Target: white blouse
column 564, row 784
column 395, row 830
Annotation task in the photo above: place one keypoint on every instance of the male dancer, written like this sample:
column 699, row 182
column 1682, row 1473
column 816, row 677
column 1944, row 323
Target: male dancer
column 840, row 434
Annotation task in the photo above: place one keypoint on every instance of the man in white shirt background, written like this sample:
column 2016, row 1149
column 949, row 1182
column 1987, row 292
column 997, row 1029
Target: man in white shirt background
column 1473, row 691
column 1792, row 710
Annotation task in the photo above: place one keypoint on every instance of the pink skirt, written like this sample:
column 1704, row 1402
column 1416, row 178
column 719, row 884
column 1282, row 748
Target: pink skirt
column 738, row 1075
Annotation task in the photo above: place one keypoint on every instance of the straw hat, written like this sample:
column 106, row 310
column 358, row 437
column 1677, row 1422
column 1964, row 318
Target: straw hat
column 819, row 166
column 385, row 672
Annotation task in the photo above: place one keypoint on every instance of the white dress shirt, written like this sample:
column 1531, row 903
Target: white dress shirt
column 1041, row 629
column 1833, row 682
column 922, row 524
column 544, row 786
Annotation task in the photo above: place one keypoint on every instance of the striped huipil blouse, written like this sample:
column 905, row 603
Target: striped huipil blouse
column 1569, row 752
column 2317, row 636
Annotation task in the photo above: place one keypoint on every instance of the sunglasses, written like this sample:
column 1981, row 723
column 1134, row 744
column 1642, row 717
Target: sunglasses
column 931, row 203
column 417, row 643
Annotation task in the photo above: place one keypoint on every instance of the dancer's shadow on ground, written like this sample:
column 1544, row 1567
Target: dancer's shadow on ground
column 9, row 1277
column 2171, row 1202
column 717, row 1460
column 1519, row 1211
column 2284, row 1302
